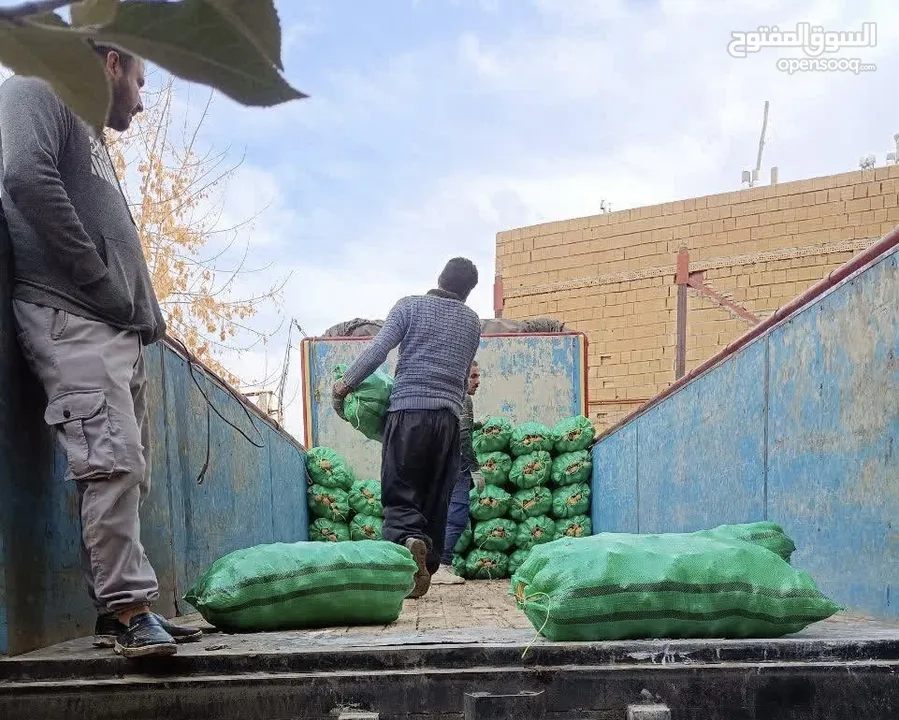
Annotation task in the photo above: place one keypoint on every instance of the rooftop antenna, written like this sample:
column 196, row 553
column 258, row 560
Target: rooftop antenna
column 753, row 177
column 893, row 157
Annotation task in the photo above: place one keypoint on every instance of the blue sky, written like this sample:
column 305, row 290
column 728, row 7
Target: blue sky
column 434, row 124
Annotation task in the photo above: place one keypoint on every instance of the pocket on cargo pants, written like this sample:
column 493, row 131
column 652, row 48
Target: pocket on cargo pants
column 81, row 419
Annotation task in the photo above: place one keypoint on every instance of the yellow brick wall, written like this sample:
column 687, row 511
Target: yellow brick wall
column 612, row 276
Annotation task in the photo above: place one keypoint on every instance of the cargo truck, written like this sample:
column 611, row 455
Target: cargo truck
column 796, row 423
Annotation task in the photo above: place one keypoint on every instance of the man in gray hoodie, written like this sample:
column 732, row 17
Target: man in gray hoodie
column 85, row 309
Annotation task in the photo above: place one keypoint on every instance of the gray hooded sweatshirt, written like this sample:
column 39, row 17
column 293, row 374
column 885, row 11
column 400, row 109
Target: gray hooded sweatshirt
column 75, row 246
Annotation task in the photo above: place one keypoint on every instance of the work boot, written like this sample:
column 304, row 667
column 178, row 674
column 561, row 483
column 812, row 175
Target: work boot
column 109, row 627
column 446, row 576
column 419, row 550
column 145, row 637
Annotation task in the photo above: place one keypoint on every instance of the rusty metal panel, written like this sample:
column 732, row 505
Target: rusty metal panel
column 834, row 438
column 799, row 427
column 694, row 469
column 539, row 377
column 287, row 464
column 229, row 506
column 615, row 502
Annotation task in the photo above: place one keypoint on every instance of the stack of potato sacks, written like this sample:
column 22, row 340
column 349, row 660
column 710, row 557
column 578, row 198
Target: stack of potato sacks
column 537, row 490
column 343, row 507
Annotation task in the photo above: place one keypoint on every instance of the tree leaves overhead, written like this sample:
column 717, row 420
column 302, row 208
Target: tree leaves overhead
column 193, row 40
column 258, row 22
column 231, row 45
column 94, row 12
column 62, row 58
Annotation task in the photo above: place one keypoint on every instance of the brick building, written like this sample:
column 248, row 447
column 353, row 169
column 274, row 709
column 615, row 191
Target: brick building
column 742, row 255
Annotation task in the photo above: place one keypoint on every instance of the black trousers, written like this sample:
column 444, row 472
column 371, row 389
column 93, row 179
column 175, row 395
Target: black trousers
column 420, row 458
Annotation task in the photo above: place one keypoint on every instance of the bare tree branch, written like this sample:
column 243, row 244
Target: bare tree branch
column 180, row 211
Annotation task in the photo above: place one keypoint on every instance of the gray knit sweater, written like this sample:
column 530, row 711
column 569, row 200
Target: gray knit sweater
column 437, row 338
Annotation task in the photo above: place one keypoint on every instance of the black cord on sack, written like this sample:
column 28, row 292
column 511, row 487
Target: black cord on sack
column 191, row 361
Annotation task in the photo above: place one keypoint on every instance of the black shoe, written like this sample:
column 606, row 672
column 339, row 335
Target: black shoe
column 108, row 628
column 143, row 637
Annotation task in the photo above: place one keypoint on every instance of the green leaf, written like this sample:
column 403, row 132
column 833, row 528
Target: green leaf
column 48, row 18
column 62, row 58
column 94, row 12
column 194, row 41
column 258, row 21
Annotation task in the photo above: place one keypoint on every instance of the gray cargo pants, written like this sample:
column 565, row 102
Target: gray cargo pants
column 96, row 384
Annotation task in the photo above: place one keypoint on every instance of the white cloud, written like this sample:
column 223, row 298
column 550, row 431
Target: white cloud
column 485, row 65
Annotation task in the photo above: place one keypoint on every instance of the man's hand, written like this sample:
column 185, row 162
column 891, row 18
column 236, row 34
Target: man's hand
column 338, row 394
column 479, row 482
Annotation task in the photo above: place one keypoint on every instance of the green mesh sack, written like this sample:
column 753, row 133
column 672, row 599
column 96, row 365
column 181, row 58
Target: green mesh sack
column 366, row 527
column 464, row 541
column 329, row 469
column 329, row 503
column 486, row 565
column 575, row 527
column 493, row 436
column 570, row 501
column 530, row 502
column 366, row 406
column 516, row 560
column 535, row 531
column 530, row 438
column 620, row 587
column 459, row 566
column 572, row 468
column 495, row 467
column 324, row 530
column 365, row 498
column 490, row 504
column 531, row 470
column 496, row 534
column 286, row 586
column 767, row 534
column 573, row 434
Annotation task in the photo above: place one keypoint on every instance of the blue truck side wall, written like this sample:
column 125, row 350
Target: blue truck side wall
column 524, row 377
column 798, row 427
column 249, row 495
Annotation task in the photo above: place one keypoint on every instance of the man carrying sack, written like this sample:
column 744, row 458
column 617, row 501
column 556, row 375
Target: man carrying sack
column 438, row 336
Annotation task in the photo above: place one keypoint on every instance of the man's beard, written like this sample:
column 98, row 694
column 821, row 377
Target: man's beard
column 119, row 115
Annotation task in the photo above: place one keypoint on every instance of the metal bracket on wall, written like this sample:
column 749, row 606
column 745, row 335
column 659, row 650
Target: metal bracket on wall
column 696, row 280
column 498, row 300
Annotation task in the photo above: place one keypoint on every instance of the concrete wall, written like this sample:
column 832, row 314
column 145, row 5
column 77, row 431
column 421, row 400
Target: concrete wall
column 524, row 377
column 612, row 275
column 249, row 495
column 799, row 427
